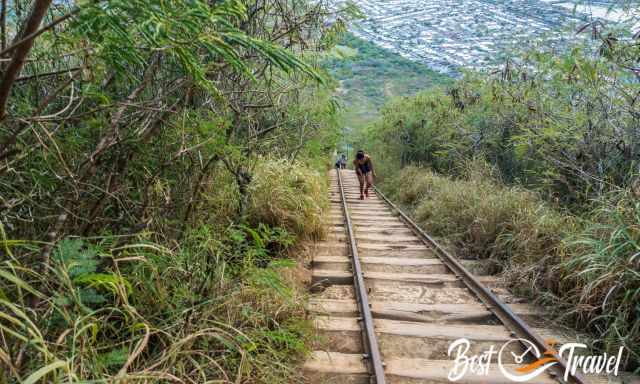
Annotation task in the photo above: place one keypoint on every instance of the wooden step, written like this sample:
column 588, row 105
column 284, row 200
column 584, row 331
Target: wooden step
column 345, row 368
column 384, row 230
column 400, row 292
column 382, row 264
column 391, row 239
column 372, row 249
column 397, row 370
column 343, row 277
column 496, row 333
column 379, row 226
column 335, row 368
column 437, row 371
column 429, row 340
column 475, row 312
column 398, row 250
column 436, row 279
column 378, row 217
column 410, row 339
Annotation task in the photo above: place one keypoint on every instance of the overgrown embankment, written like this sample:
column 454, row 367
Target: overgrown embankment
column 159, row 163
column 215, row 304
column 535, row 167
column 582, row 267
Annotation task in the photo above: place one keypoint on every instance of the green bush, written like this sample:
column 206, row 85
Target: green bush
column 218, row 305
column 562, row 124
column 146, row 225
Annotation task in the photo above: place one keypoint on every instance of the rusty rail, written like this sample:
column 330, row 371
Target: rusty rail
column 370, row 342
column 509, row 319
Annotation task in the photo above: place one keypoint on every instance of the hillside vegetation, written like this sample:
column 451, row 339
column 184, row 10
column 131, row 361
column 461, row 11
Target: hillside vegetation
column 370, row 75
column 159, row 163
column 535, row 166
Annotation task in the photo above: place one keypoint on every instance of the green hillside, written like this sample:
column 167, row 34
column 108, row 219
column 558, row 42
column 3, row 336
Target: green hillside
column 369, row 76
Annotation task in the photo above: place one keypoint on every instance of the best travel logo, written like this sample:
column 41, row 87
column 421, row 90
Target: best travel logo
column 480, row 364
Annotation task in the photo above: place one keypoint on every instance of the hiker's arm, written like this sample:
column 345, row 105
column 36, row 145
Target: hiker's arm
column 373, row 172
column 356, row 168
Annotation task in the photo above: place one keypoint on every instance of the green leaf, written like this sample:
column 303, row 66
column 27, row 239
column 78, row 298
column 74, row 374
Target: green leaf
column 78, row 258
column 114, row 358
column 37, row 375
column 91, row 296
column 104, row 281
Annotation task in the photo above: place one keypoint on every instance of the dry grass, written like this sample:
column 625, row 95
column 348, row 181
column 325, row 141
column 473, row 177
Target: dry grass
column 587, row 269
column 482, row 218
column 600, row 274
column 289, row 195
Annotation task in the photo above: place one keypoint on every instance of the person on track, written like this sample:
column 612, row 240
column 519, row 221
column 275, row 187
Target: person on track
column 364, row 169
column 339, row 161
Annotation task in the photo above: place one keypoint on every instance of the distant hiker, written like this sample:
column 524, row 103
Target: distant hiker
column 343, row 161
column 365, row 172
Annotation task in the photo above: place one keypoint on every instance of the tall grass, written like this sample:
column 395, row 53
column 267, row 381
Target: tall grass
column 601, row 273
column 216, row 307
column 288, row 195
column 483, row 219
column 586, row 268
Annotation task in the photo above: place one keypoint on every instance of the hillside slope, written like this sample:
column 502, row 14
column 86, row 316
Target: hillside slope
column 369, row 76
column 534, row 167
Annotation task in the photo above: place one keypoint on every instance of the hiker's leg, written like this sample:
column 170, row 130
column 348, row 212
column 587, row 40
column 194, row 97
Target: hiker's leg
column 369, row 181
column 361, row 179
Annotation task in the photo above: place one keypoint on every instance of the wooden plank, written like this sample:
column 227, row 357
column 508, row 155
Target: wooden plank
column 344, row 277
column 420, row 312
column 496, row 333
column 438, row 371
column 343, row 363
column 402, row 261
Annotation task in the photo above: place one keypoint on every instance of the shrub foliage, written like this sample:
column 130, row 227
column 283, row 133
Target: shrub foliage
column 146, row 211
column 536, row 167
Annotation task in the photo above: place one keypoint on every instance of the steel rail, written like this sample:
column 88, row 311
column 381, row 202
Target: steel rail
column 509, row 319
column 371, row 342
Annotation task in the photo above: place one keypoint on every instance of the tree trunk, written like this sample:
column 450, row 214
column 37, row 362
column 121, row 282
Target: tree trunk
column 12, row 71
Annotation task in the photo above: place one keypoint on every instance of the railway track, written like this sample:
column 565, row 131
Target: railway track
column 389, row 302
